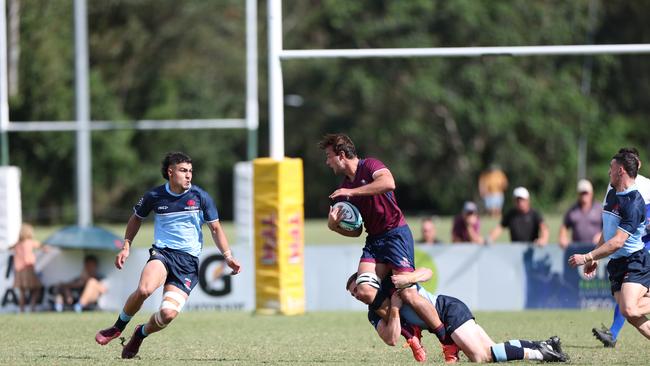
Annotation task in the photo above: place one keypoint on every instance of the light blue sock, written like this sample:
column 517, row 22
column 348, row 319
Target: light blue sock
column 617, row 323
column 125, row 317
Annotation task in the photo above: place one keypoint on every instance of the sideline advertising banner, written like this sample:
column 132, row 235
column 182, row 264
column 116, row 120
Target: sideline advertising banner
column 497, row 277
column 216, row 289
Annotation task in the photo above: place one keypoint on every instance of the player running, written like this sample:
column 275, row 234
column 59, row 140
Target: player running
column 609, row 336
column 624, row 222
column 368, row 184
column 392, row 317
column 180, row 209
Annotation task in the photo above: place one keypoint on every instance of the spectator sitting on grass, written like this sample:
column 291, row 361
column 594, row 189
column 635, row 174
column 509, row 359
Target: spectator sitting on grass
column 89, row 286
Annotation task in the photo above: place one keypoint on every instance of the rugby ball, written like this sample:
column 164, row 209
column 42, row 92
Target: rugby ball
column 351, row 216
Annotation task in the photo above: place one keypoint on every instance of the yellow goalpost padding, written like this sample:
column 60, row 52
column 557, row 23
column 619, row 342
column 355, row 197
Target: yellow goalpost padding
column 279, row 236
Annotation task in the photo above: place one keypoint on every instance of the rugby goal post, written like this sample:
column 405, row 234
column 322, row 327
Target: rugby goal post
column 83, row 126
column 267, row 276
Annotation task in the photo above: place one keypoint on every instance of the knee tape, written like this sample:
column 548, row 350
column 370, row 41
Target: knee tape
column 166, row 304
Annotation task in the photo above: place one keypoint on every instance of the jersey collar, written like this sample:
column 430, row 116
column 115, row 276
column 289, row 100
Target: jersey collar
column 628, row 190
column 176, row 194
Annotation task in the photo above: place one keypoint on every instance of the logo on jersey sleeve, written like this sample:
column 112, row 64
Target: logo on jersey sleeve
column 162, row 206
column 187, row 283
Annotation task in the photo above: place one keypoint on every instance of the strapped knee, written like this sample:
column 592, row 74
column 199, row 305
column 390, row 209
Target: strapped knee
column 166, row 304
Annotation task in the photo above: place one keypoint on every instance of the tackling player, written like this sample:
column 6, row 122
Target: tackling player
column 470, row 337
column 368, row 184
column 180, row 209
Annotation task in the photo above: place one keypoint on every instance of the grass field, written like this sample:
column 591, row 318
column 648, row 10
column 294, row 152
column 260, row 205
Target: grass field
column 237, row 338
column 316, row 231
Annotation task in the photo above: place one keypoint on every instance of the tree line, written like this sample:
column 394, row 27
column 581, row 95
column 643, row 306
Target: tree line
column 436, row 122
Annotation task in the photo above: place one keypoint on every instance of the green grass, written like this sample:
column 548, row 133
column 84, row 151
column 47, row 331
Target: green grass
column 316, row 231
column 237, row 338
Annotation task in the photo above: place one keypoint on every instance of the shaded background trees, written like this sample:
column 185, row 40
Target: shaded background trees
column 436, row 122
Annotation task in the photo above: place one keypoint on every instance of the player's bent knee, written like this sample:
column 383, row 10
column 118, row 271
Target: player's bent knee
column 143, row 292
column 167, row 315
column 170, row 307
column 630, row 312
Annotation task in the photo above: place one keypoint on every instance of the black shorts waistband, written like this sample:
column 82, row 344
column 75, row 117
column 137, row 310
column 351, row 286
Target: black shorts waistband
column 633, row 254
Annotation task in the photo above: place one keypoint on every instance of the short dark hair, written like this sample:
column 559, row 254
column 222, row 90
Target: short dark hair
column 629, row 161
column 633, row 151
column 352, row 278
column 173, row 158
column 339, row 142
column 91, row 258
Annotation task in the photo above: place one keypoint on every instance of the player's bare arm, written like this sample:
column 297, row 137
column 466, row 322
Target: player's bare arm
column 220, row 240
column 590, row 260
column 132, row 228
column 390, row 329
column 334, row 218
column 405, row 279
column 383, row 182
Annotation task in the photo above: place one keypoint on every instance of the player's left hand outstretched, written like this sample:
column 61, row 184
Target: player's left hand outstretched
column 234, row 265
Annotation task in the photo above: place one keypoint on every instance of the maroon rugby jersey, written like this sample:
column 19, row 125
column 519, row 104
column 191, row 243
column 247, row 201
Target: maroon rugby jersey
column 380, row 213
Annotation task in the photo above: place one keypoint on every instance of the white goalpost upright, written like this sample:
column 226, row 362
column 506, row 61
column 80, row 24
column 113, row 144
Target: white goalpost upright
column 276, row 54
column 83, row 125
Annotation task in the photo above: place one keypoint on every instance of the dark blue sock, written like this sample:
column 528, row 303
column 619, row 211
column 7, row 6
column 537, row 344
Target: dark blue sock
column 508, row 351
column 141, row 332
column 122, row 320
column 523, row 343
column 617, row 323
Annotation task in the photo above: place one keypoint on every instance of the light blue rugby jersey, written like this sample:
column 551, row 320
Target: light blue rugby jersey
column 178, row 217
column 625, row 211
column 643, row 186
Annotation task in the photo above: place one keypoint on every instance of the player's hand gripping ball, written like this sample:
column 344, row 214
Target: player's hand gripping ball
column 352, row 219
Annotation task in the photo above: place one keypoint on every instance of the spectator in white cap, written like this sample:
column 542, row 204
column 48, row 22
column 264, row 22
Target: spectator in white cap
column 466, row 227
column 584, row 218
column 526, row 224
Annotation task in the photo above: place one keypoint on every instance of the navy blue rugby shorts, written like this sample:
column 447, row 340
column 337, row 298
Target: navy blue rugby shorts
column 452, row 312
column 182, row 268
column 634, row 268
column 394, row 248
